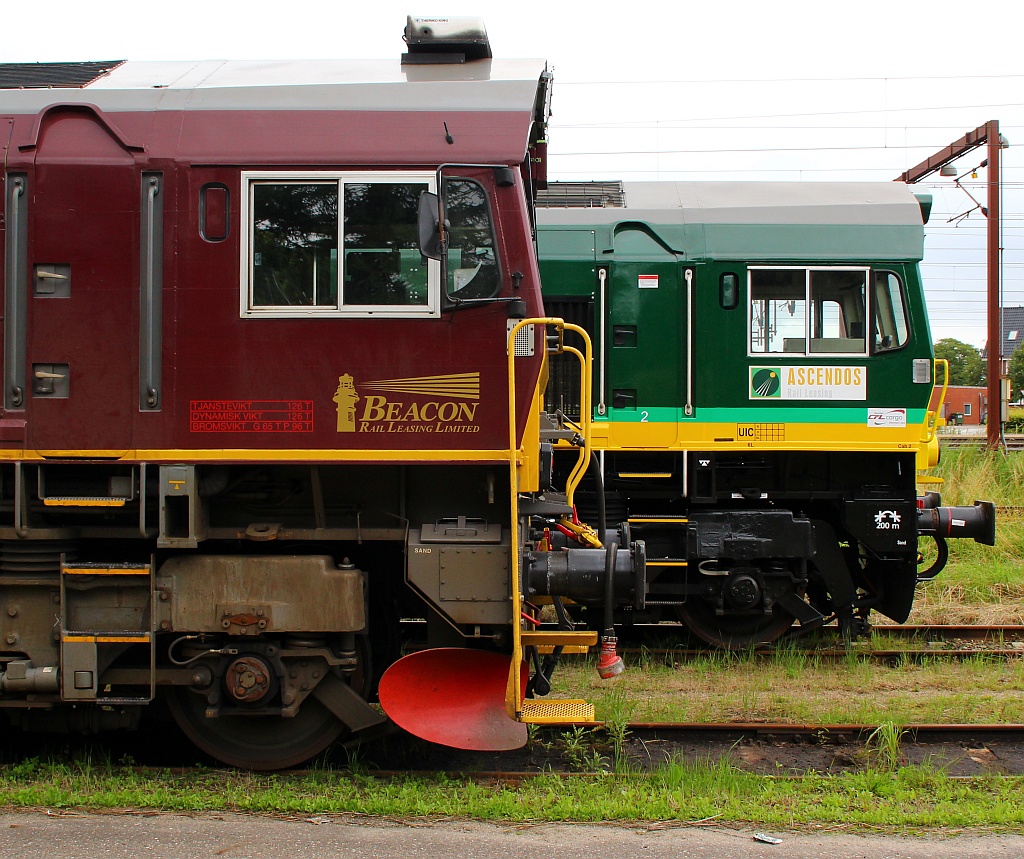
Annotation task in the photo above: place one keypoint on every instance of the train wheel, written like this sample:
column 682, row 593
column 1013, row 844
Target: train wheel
column 255, row 742
column 262, row 742
column 734, row 631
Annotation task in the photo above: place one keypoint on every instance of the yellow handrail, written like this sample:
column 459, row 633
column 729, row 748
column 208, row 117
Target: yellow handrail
column 513, row 691
column 932, row 419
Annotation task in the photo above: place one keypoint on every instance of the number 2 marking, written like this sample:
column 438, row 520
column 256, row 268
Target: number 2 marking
column 644, row 415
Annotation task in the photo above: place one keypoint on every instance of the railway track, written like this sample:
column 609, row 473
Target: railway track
column 922, row 643
column 1012, row 442
column 771, row 748
column 823, row 732
column 953, row 641
column 969, row 632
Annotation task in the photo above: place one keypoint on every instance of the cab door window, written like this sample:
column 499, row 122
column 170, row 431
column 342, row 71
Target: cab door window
column 804, row 311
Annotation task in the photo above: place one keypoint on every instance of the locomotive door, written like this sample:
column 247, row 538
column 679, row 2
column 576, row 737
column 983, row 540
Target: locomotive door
column 82, row 329
column 644, row 334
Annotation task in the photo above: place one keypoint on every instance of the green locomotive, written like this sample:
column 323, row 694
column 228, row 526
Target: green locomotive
column 762, row 394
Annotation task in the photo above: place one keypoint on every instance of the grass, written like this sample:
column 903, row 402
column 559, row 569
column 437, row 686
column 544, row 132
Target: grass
column 681, row 791
column 981, row 584
column 754, row 688
column 885, row 746
column 974, row 473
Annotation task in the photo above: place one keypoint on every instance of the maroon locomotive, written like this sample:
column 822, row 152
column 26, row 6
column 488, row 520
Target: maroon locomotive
column 258, row 398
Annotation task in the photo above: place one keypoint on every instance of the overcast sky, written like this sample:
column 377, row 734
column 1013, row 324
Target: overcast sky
column 734, row 89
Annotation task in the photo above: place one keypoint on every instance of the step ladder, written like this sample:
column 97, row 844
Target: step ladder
column 532, row 710
column 105, row 608
column 544, row 711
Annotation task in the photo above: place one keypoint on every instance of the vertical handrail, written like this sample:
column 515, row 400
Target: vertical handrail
column 150, row 312
column 931, row 418
column 14, row 324
column 688, row 408
column 602, row 403
column 586, row 423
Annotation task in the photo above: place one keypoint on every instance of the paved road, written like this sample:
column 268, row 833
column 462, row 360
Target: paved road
column 70, row 835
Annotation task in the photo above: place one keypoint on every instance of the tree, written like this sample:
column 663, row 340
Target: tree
column 1015, row 369
column 966, row 366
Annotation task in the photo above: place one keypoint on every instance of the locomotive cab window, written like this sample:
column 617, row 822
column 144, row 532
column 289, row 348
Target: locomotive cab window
column 335, row 245
column 891, row 328
column 803, row 311
column 472, row 261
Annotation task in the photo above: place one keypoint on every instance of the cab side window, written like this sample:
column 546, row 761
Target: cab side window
column 335, row 244
column 891, row 328
column 805, row 311
column 472, row 260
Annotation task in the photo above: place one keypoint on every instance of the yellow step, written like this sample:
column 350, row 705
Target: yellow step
column 106, row 637
column 567, row 649
column 558, row 712
column 583, row 638
column 102, row 501
column 80, row 569
column 662, row 475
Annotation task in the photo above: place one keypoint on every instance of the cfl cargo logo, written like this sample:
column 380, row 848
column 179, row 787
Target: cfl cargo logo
column 765, row 381
column 419, row 404
column 887, row 417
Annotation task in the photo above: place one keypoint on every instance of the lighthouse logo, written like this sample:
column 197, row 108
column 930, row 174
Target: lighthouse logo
column 346, row 398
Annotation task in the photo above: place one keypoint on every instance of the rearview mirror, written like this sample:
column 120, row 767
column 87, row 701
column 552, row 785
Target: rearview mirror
column 433, row 245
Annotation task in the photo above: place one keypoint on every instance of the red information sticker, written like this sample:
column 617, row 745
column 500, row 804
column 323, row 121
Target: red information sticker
column 251, row 416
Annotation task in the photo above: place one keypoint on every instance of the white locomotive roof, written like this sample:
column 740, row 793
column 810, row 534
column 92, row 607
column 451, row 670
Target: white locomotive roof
column 868, row 203
column 833, row 221
column 481, row 85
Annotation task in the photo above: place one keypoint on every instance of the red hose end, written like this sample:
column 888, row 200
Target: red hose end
column 609, row 663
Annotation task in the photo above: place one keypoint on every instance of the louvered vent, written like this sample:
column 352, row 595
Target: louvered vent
column 53, row 75
column 582, row 195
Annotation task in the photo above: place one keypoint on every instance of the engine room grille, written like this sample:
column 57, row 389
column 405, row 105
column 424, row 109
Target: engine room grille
column 582, row 195
column 53, row 75
column 563, row 393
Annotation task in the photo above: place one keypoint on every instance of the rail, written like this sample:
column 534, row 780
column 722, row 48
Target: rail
column 1013, row 442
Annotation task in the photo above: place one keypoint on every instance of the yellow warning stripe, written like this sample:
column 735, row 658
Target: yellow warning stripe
column 646, row 474
column 304, row 455
column 83, row 502
column 106, row 571
column 107, row 638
